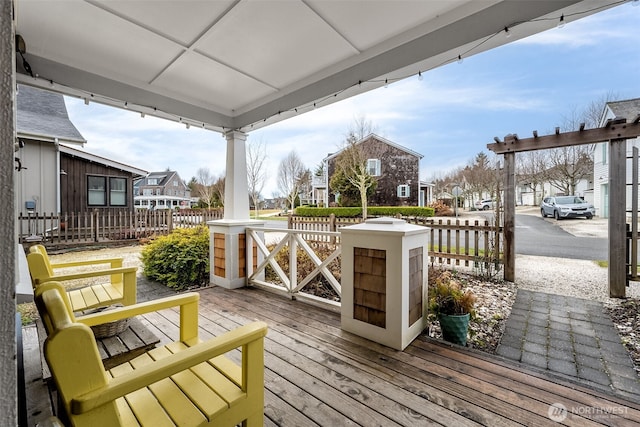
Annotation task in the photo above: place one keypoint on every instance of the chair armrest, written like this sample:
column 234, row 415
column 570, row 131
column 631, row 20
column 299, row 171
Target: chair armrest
column 115, row 263
column 164, row 368
column 138, row 309
column 85, row 274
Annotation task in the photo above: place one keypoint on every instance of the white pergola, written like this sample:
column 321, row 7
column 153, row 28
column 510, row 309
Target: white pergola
column 230, row 66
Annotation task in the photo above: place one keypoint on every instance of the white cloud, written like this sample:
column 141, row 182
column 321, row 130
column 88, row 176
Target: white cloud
column 597, row 29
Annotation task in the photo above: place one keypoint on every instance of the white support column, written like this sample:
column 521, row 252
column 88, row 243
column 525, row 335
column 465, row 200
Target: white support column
column 236, row 190
column 229, row 256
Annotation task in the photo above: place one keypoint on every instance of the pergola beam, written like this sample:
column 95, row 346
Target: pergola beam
column 617, row 129
column 615, row 132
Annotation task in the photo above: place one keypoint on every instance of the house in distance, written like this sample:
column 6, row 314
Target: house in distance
column 162, row 190
column 395, row 168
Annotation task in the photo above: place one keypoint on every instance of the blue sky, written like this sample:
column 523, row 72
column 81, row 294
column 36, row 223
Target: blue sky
column 449, row 116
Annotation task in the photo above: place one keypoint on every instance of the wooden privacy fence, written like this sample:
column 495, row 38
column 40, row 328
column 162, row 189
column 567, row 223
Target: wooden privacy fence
column 107, row 225
column 450, row 241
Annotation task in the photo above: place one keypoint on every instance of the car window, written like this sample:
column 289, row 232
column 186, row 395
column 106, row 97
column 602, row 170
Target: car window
column 567, row 200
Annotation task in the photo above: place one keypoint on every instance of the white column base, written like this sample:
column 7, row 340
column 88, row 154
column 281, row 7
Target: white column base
column 226, row 256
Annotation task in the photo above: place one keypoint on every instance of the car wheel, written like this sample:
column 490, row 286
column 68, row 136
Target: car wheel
column 589, row 216
column 556, row 215
column 544, row 215
column 485, row 208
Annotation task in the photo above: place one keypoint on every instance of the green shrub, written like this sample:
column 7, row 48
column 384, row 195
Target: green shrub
column 179, row 260
column 372, row 211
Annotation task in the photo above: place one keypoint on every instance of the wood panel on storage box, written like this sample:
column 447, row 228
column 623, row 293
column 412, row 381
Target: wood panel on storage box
column 415, row 284
column 370, row 286
column 219, row 254
column 242, row 255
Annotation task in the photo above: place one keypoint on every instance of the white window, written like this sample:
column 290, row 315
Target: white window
column 152, row 181
column 158, row 191
column 605, row 151
column 403, row 190
column 373, row 167
column 175, row 183
column 97, row 190
column 118, row 191
column 147, row 192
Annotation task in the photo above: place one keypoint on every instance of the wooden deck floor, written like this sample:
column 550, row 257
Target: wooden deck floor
column 316, row 374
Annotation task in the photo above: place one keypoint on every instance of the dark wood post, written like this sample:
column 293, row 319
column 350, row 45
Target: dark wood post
column 617, row 217
column 509, row 216
column 8, row 229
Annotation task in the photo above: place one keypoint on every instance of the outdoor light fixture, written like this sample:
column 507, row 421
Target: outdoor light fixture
column 561, row 23
column 21, row 48
column 460, row 59
column 507, row 33
column 420, row 75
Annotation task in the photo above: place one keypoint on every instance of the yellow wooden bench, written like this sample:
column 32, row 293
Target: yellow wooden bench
column 121, row 287
column 185, row 383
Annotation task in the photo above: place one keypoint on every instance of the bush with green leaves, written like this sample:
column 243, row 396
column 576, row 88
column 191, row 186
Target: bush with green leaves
column 179, row 260
column 413, row 211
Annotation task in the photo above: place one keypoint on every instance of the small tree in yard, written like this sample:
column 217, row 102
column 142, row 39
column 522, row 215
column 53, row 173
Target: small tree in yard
column 351, row 167
column 256, row 171
column 291, row 173
column 351, row 171
column 203, row 184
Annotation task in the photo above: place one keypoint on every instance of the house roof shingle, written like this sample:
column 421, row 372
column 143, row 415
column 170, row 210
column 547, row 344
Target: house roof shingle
column 627, row 109
column 381, row 139
column 43, row 115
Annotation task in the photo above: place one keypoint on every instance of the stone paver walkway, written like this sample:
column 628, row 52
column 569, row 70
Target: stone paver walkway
column 571, row 337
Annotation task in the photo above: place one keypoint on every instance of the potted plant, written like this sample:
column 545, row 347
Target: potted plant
column 452, row 307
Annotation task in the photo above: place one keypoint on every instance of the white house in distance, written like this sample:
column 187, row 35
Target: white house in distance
column 161, row 190
column 525, row 194
column 627, row 109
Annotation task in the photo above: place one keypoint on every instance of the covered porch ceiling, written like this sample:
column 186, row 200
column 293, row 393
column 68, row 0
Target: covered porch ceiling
column 244, row 64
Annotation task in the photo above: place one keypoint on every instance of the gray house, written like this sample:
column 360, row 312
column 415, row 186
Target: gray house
column 53, row 174
column 162, row 190
column 42, row 125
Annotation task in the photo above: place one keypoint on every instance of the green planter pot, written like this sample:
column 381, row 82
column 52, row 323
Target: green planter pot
column 454, row 328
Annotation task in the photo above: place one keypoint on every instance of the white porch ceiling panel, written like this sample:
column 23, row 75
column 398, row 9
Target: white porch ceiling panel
column 234, row 63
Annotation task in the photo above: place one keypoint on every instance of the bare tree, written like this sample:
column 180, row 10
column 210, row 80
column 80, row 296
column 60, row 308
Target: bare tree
column 290, row 172
column 203, row 186
column 481, row 176
column 360, row 128
column 568, row 165
column 351, row 169
column 530, row 168
column 351, row 164
column 218, row 190
column 256, row 171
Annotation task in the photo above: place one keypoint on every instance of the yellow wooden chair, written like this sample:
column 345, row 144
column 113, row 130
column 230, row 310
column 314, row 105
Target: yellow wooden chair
column 185, row 383
column 121, row 287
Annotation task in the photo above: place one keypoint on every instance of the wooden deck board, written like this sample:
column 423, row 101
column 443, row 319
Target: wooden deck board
column 317, row 374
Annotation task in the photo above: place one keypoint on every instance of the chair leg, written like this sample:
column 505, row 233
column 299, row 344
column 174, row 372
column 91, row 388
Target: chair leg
column 255, row 420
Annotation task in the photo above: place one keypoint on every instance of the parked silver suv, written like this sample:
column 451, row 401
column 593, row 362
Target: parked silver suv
column 484, row 205
column 561, row 207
